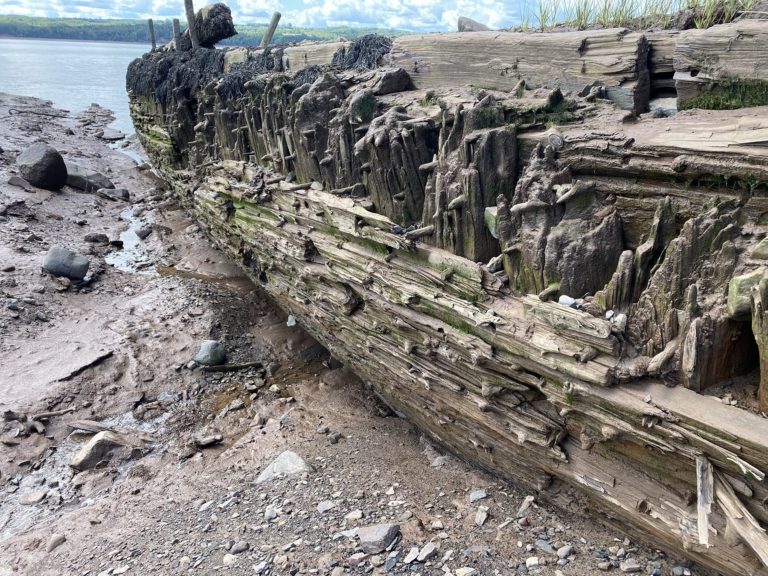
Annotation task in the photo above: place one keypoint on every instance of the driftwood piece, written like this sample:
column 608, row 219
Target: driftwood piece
column 573, row 61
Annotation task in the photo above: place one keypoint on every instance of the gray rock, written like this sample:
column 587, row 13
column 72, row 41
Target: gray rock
column 211, row 353
column 96, row 450
column 61, row 261
column 86, row 179
column 545, row 547
column 325, row 506
column 630, row 566
column 376, row 538
column 144, row 232
column 114, row 194
column 240, row 547
column 476, row 495
column 96, row 238
column 18, row 182
column 428, row 551
column 481, row 515
column 391, row 80
column 33, row 498
column 55, row 541
column 286, row 464
column 42, row 166
column 413, row 553
column 564, row 551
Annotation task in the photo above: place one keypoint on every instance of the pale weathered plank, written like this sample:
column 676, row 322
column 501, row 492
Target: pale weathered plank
column 716, row 57
column 572, row 61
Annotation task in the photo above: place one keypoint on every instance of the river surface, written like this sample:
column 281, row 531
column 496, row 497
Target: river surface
column 69, row 73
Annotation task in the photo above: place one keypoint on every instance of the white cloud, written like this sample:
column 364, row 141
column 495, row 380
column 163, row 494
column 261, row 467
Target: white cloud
column 426, row 15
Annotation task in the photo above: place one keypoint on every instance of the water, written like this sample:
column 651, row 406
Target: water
column 71, row 74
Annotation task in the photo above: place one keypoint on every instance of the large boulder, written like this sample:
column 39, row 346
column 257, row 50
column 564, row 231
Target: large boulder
column 213, row 23
column 41, row 165
column 61, row 261
column 86, row 179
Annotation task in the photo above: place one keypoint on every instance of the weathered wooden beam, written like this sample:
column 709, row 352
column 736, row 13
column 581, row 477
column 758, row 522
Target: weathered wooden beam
column 189, row 8
column 705, row 496
column 176, row 34
column 573, row 61
column 722, row 66
column 152, row 39
column 267, row 39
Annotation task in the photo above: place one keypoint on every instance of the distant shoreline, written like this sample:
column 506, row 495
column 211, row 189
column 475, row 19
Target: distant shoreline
column 48, row 39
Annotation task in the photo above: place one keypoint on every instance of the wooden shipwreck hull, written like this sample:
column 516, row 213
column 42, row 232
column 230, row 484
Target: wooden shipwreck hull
column 537, row 278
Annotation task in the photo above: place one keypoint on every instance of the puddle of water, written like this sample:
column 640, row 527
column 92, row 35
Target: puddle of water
column 133, row 257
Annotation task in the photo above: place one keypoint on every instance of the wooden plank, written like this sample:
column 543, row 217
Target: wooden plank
column 740, row 519
column 713, row 58
column 493, row 60
column 310, row 53
column 705, row 497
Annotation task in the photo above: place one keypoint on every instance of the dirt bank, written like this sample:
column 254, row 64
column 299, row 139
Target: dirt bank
column 181, row 496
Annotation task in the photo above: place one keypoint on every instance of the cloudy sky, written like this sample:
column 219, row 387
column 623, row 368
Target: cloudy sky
column 403, row 14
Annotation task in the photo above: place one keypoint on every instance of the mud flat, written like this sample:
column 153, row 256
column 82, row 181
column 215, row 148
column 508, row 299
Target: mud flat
column 547, row 278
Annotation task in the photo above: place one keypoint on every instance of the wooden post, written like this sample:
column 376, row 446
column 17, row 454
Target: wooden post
column 176, row 34
column 265, row 41
column 190, row 9
column 152, row 33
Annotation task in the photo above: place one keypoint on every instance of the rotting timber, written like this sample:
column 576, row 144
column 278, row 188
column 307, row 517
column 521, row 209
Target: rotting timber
column 427, row 212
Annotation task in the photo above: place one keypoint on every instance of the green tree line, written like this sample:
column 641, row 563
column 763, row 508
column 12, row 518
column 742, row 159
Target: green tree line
column 136, row 30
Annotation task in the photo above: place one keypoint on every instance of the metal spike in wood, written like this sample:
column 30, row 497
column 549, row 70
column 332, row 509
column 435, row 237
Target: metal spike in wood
column 151, row 26
column 190, row 10
column 267, row 39
column 176, row 34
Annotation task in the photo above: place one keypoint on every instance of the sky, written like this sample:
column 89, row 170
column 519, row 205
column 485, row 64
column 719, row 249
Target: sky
column 426, row 15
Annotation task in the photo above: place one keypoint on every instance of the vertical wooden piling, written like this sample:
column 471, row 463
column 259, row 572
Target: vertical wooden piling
column 265, row 41
column 152, row 39
column 176, row 34
column 190, row 9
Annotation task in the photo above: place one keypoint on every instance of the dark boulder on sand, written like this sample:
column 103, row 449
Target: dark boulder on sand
column 41, row 165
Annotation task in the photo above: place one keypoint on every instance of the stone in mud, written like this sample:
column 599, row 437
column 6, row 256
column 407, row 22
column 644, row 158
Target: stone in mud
column 376, row 538
column 286, row 464
column 55, row 541
column 41, row 165
column 61, row 261
column 86, row 179
column 96, row 238
column 211, row 353
column 114, row 193
column 96, row 450
column 33, row 498
column 18, row 182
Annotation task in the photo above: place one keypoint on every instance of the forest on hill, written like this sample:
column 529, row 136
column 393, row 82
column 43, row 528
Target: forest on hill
column 136, row 30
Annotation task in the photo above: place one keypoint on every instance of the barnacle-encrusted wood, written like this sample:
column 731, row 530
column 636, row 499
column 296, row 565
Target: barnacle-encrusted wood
column 538, row 279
